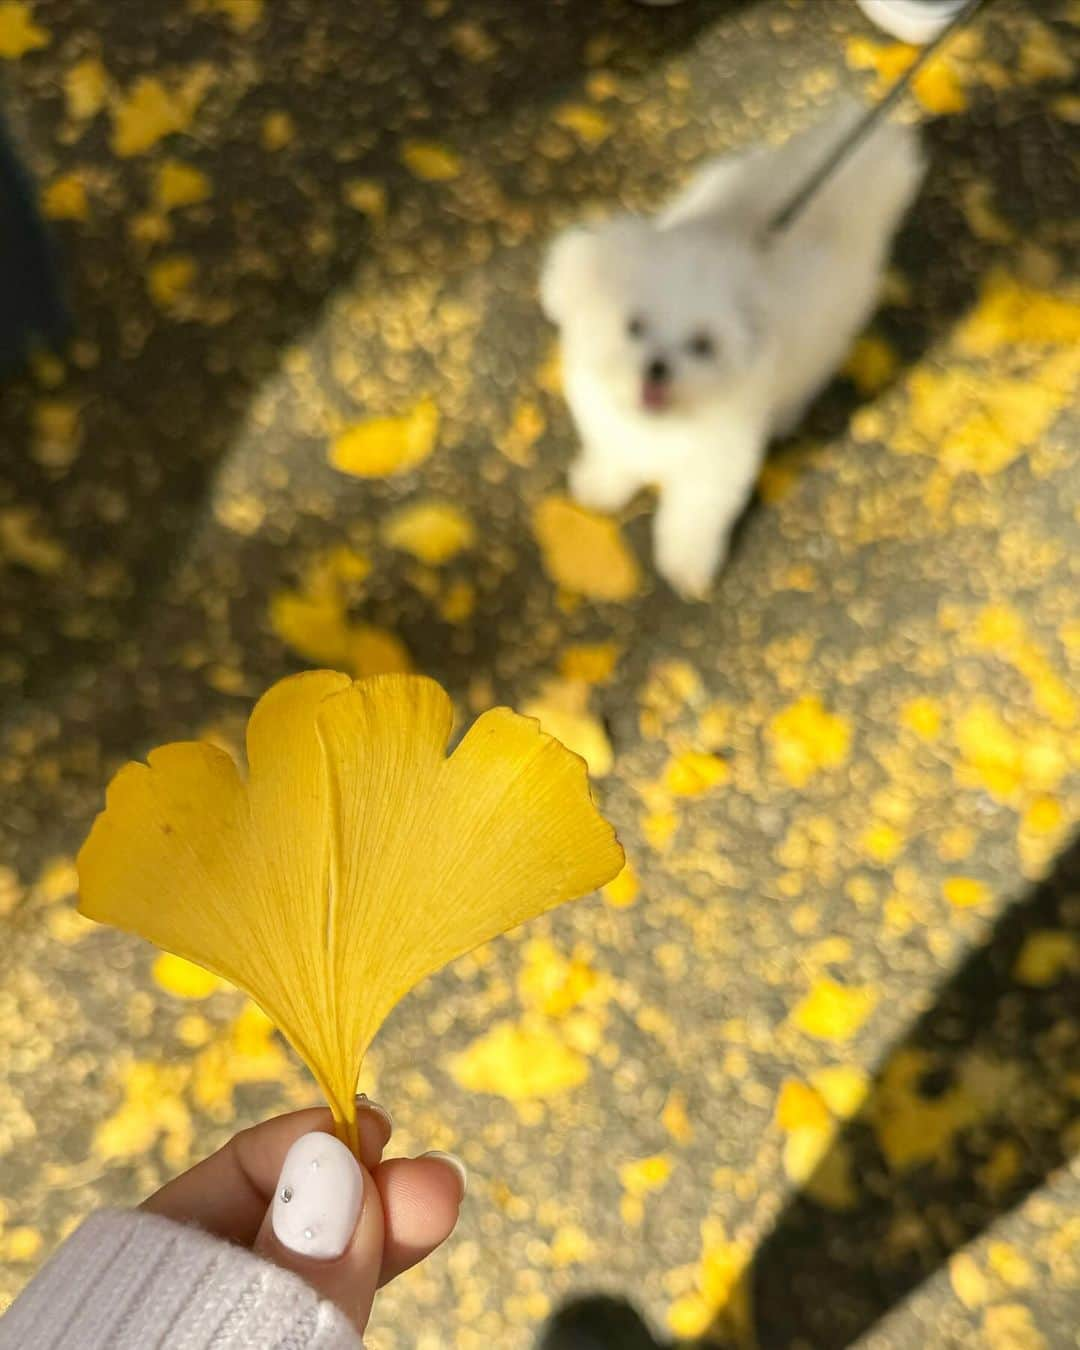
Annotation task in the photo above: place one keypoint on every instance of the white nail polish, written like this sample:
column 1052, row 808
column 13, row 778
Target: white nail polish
column 319, row 1197
column 455, row 1162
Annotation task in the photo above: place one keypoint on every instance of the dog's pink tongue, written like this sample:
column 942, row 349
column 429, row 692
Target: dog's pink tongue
column 654, row 395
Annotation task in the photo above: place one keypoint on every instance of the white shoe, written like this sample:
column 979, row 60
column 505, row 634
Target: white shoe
column 917, row 21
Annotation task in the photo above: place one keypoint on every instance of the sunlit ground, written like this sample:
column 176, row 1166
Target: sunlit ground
column 808, row 1071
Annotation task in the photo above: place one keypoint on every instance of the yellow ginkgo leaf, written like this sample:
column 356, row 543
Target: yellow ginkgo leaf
column 355, row 858
column 834, row 1012
column 433, row 532
column 19, row 33
column 433, row 162
column 562, row 708
column 583, row 551
column 590, row 125
column 387, row 445
column 86, row 87
column 170, row 279
column 520, row 1063
column 150, row 110
column 624, row 889
column 805, row 737
column 177, row 184
column 375, row 651
column 695, row 772
column 65, row 198
column 182, row 979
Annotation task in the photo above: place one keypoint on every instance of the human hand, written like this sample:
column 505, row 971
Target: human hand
column 292, row 1193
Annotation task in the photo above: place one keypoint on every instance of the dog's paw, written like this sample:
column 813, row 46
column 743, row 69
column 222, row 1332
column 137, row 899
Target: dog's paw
column 688, row 579
column 687, row 561
column 597, row 487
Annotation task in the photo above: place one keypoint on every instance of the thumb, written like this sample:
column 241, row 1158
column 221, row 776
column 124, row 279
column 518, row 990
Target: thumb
column 325, row 1223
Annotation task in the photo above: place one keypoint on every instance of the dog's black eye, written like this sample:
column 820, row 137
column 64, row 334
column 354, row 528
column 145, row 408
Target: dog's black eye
column 702, row 345
column 636, row 326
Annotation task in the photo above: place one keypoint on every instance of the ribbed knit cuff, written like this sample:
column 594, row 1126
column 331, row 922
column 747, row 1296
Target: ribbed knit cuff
column 126, row 1280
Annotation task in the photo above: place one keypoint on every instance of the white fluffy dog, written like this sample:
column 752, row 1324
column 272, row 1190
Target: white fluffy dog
column 691, row 339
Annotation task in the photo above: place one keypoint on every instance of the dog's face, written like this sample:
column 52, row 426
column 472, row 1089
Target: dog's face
column 664, row 317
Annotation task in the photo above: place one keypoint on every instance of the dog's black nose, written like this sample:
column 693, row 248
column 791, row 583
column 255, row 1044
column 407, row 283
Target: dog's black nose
column 658, row 371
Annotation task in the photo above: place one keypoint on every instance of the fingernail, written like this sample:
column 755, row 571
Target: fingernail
column 362, row 1099
column 455, row 1162
column 319, row 1197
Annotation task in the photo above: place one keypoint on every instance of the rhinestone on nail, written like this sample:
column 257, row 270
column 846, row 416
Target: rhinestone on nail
column 286, row 1194
column 309, row 1233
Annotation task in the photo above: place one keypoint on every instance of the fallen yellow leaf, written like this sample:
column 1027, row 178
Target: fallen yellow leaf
column 433, row 532
column 21, row 1243
column 584, row 551
column 695, row 772
column 592, row 662
column 799, row 1107
column 366, row 196
column 520, row 1063
column 19, row 33
column 834, row 1012
column 645, row 1174
column 881, row 842
column 675, row 1119
column 871, row 364
column 964, row 892
column 177, row 184
column 169, row 280
column 376, row 651
column 152, row 1108
column 939, row 88
column 458, row 601
column 562, row 710
column 383, row 446
column 588, row 124
column 277, row 131
column 843, row 1087
column 86, row 89
column 65, row 199
column 354, row 859
column 1046, row 956
column 434, row 163
column 519, row 439
column 969, row 1284
column 1010, row 1266
column 150, row 111
column 623, row 890
column 806, row 738
column 923, row 717
column 184, row 979
column 23, row 540
column 1010, row 1326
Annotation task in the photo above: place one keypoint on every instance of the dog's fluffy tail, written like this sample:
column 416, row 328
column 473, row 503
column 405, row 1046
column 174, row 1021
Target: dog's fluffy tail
column 869, row 191
column 872, row 189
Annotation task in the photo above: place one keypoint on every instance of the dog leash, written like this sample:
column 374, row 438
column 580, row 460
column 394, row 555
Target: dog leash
column 862, row 128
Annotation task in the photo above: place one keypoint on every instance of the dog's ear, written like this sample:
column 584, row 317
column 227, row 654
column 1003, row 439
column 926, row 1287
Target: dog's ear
column 570, row 261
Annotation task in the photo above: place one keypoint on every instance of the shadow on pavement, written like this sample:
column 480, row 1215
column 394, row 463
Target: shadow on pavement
column 967, row 1115
column 159, row 401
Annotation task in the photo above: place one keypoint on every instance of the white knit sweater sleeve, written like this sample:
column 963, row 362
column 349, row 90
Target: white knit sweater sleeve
column 126, row 1280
